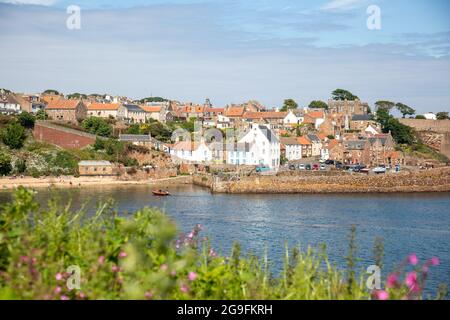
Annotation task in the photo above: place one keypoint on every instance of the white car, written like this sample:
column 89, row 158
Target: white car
column 379, row 170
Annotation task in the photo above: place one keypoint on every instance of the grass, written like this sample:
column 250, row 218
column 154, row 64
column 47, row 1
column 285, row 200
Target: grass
column 142, row 256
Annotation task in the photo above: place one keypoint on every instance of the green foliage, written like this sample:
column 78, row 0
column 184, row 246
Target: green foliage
column 51, row 91
column 77, row 95
column 98, row 126
column 405, row 110
column 13, row 135
column 401, row 133
column 20, row 166
column 5, row 164
column 442, row 116
column 385, row 105
column 27, row 120
column 421, row 117
column 152, row 99
column 331, row 137
column 289, row 104
column 139, row 257
column 317, row 104
column 341, row 94
column 133, row 129
column 41, row 115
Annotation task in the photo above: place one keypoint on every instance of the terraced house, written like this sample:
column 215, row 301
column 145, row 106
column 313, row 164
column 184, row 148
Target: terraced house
column 103, row 110
column 131, row 113
column 67, row 110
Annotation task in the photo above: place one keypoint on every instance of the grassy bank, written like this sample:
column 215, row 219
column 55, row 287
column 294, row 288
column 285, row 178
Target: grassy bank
column 143, row 256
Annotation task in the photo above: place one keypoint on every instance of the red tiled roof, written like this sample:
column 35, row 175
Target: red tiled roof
column 62, row 104
column 151, row 108
column 103, row 106
column 235, row 112
column 303, row 141
column 186, row 145
column 265, row 115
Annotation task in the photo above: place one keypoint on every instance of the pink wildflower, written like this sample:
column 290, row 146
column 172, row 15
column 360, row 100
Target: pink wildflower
column 392, row 280
column 58, row 276
column 382, row 295
column 163, row 267
column 191, row 235
column 412, row 282
column 148, row 295
column 435, row 261
column 413, row 260
column 192, row 276
column 184, row 288
column 101, row 259
column 122, row 254
column 81, row 295
column 58, row 290
column 63, row 297
column 115, row 268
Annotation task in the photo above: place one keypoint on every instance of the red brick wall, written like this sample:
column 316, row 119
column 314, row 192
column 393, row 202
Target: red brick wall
column 61, row 137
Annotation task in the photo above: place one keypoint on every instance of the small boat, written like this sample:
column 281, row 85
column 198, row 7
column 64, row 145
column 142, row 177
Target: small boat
column 160, row 193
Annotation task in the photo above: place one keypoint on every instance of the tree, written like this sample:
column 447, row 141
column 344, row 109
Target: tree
column 14, row 135
column 51, row 91
column 77, row 95
column 317, row 104
column 41, row 115
column 421, row 117
column 341, row 95
column 27, row 120
column 405, row 110
column 153, row 99
column 289, row 104
column 386, row 105
column 401, row 133
column 97, row 126
column 133, row 129
column 5, row 164
column 442, row 116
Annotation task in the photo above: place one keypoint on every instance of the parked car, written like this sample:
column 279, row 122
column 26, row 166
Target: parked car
column 379, row 170
column 315, row 166
column 301, row 166
column 329, row 162
column 323, row 167
column 308, row 167
column 339, row 166
column 292, row 167
column 262, row 169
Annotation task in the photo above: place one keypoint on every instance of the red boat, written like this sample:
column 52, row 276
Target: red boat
column 161, row 193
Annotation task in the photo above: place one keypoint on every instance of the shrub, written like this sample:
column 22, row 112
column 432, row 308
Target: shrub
column 141, row 257
column 97, row 126
column 27, row 120
column 5, row 164
column 20, row 166
column 14, row 135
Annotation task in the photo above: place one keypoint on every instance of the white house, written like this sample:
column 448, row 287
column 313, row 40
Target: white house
column 291, row 119
column 316, row 144
column 192, row 151
column 103, row 110
column 265, row 146
column 222, row 122
column 293, row 148
column 9, row 105
column 430, row 116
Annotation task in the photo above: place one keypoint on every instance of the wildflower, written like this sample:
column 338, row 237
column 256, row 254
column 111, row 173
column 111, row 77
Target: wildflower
column 191, row 235
column 163, row 267
column 24, row 258
column 173, row 273
column 192, row 276
column 184, row 288
column 115, row 268
column 58, row 290
column 101, row 259
column 392, row 280
column 412, row 282
column 59, row 276
column 435, row 261
column 212, row 253
column 382, row 295
column 63, row 297
column 81, row 295
column 413, row 260
column 148, row 295
column 122, row 254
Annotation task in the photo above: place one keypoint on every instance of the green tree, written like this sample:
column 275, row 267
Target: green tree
column 405, row 110
column 133, row 129
column 14, row 135
column 317, row 104
column 401, row 133
column 386, row 105
column 77, row 95
column 27, row 120
column 442, row 116
column 341, row 94
column 153, row 99
column 41, row 115
column 97, row 126
column 20, row 166
column 51, row 91
column 421, row 117
column 289, row 104
column 5, row 164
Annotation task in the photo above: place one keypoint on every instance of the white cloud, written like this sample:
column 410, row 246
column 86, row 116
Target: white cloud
column 342, row 4
column 35, row 2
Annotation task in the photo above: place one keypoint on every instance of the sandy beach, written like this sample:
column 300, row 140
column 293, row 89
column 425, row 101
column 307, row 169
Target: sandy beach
column 8, row 183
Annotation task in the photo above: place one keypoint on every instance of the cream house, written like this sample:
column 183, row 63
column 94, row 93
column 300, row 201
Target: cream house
column 103, row 110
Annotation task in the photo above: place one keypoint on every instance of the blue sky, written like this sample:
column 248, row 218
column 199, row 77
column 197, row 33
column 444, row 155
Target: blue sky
column 231, row 50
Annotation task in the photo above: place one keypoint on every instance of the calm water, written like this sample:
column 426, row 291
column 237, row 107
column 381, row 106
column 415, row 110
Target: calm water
column 408, row 223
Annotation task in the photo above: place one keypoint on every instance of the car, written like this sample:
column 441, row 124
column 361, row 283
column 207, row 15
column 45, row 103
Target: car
column 308, row 167
column 301, row 166
column 262, row 169
column 329, row 162
column 292, row 167
column 339, row 166
column 315, row 166
column 323, row 167
column 379, row 170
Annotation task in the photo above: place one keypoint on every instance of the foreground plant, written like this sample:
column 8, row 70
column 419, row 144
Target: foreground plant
column 55, row 253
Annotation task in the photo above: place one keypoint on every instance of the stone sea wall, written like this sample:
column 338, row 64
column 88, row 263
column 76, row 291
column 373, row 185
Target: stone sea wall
column 436, row 180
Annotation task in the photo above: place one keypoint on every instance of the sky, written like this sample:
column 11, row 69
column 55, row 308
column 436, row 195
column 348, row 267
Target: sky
column 231, row 51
